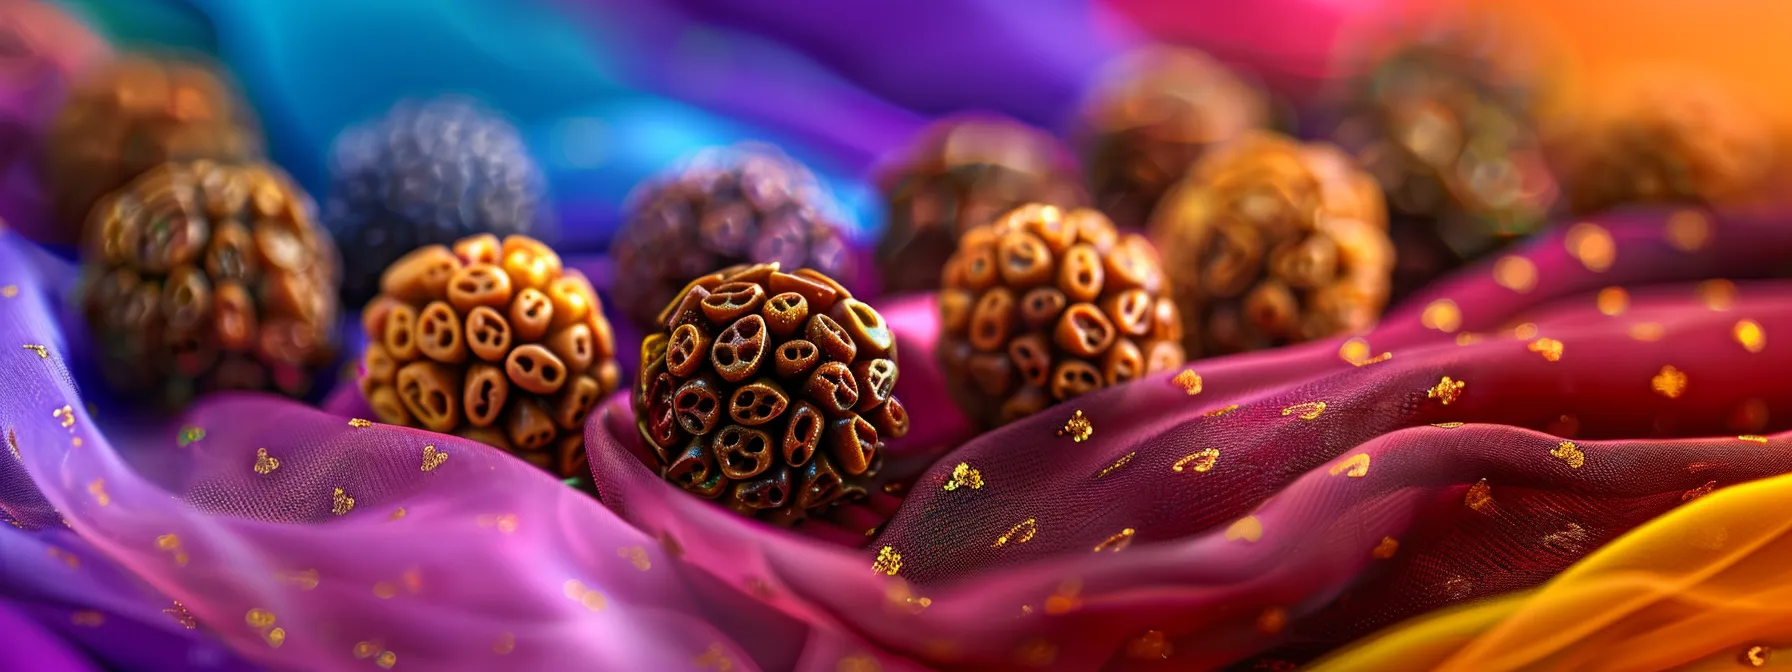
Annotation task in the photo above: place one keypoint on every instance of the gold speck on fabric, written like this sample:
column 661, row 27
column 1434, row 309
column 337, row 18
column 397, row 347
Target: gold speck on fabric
column 97, row 488
column 1220, row 411
column 1698, row 492
column 180, row 615
column 1021, row 533
column 888, row 561
column 1078, row 427
column 1248, row 529
column 1569, row 454
column 360, row 423
column 1754, row 438
column 1356, row 466
column 1757, row 656
column 1189, row 381
column 1200, row 461
column 1442, row 315
column 1479, row 496
column 1386, row 549
column 1515, row 273
column 1612, row 301
column 1549, row 348
column 1750, row 335
column 1592, row 245
column 341, row 503
column 1306, row 410
column 433, row 458
column 1669, row 382
column 265, row 464
column 42, row 352
column 1124, row 459
column 1116, row 542
column 964, row 476
column 1446, row 391
column 636, row 556
column 66, row 414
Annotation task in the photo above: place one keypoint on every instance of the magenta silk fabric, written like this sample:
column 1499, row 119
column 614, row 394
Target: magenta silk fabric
column 1175, row 530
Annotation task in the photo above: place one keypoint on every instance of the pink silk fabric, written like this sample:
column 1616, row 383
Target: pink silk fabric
column 1176, row 534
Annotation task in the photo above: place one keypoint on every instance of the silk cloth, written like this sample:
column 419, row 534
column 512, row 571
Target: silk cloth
column 295, row 538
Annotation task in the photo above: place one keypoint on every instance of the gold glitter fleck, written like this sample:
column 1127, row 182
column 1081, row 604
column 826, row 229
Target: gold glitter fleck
column 899, row 599
column 1569, row 454
column 1717, row 294
column 1124, row 459
column 1065, row 599
column 1357, row 466
column 1037, row 653
column 180, row 615
column 9, row 291
column 1200, row 461
column 1525, row 332
column 42, row 352
column 1247, row 528
column 1447, row 425
column 1757, row 656
column 265, row 464
column 1152, row 645
column 1647, row 331
column 1698, row 492
column 1078, row 427
column 1550, row 348
column 66, row 414
column 1592, row 245
column 1220, row 411
column 360, row 423
column 1688, row 230
column 636, row 556
column 171, row 544
column 1466, row 338
column 889, row 562
column 1515, row 273
column 1189, row 381
column 1459, row 587
column 433, row 458
column 1753, row 438
column 365, row 650
column 1479, row 496
column 341, row 503
column 1386, row 549
column 385, row 590
column 591, row 599
column 1613, row 301
column 12, row 445
column 506, row 523
column 1442, row 315
column 714, row 657
column 1750, row 335
column 1117, row 542
column 1446, row 391
column 506, row 643
column 189, row 435
column 386, row 660
column 275, row 637
column 76, row 442
column 1026, row 609
column 98, row 489
column 858, row 662
column 396, row 514
column 259, row 618
column 1272, row 620
column 1307, row 410
column 964, row 476
column 1356, row 351
column 90, row 619
column 66, row 557
column 1670, row 382
column 1021, row 533
column 305, row 580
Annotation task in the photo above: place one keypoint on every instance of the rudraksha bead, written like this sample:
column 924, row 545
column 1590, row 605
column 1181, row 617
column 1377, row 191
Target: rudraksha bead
column 1278, row 242
column 768, row 391
column 133, row 114
column 748, row 204
column 1447, row 134
column 494, row 342
column 1156, row 113
column 1688, row 142
column 428, row 173
column 964, row 172
column 200, row 277
column 1044, row 305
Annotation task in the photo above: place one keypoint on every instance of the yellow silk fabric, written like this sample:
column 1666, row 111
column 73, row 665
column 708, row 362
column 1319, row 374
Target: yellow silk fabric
column 1707, row 586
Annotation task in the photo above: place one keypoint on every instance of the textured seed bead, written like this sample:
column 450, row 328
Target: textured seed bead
column 1305, row 200
column 1065, row 307
column 186, row 298
column 769, row 391
column 463, row 345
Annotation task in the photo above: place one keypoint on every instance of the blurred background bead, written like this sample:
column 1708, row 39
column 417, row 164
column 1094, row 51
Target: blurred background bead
column 41, row 51
column 737, row 403
column 202, row 276
column 1689, row 142
column 447, row 350
column 428, row 173
column 1443, row 121
column 1277, row 242
column 1046, row 304
column 1153, row 115
column 964, row 172
column 135, row 113
column 745, row 204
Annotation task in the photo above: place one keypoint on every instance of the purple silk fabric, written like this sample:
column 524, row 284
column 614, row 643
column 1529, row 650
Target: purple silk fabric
column 302, row 541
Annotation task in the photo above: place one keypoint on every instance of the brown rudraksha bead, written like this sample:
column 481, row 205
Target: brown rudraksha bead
column 747, row 204
column 1044, row 305
column 200, row 276
column 1443, row 123
column 964, row 172
column 1276, row 242
column 494, row 342
column 768, row 391
column 1688, row 142
column 134, row 114
column 1156, row 113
